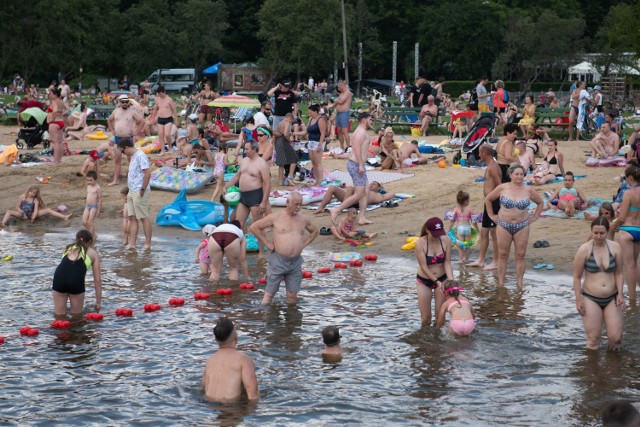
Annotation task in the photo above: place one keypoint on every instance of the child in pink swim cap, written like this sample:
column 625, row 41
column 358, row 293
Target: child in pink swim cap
column 462, row 315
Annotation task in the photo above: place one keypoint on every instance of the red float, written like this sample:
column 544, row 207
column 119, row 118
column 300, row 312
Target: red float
column 33, row 332
column 262, row 280
column 320, row 270
column 1, row 340
column 371, row 257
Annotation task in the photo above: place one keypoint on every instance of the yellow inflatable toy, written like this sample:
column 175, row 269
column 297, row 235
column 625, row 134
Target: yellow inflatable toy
column 411, row 243
column 150, row 144
column 98, row 135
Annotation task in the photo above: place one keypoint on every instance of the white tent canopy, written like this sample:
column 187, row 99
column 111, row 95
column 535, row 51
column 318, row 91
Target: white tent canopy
column 584, row 71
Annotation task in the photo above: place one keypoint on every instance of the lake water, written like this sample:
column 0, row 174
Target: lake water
column 524, row 366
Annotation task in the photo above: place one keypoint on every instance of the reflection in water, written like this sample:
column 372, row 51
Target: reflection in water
column 281, row 330
column 233, row 414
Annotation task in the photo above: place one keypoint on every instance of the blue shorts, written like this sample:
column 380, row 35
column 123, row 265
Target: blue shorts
column 342, row 120
column 359, row 179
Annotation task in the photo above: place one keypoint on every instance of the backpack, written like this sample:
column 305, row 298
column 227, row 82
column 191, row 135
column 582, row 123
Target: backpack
column 505, row 96
column 473, row 101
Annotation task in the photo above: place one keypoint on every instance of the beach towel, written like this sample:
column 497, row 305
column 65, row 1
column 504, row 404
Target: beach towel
column 380, row 176
column 593, row 206
column 559, row 179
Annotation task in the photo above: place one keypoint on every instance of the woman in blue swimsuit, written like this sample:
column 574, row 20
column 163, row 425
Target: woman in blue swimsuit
column 628, row 223
column 599, row 296
column 513, row 219
column 433, row 252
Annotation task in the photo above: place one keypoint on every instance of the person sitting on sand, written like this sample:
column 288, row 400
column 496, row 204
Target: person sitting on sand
column 389, row 151
column 406, row 152
column 92, row 162
column 77, row 125
column 346, row 228
column 331, row 338
column 30, row 207
column 606, row 143
column 377, row 194
column 525, row 156
column 541, row 175
column 570, row 198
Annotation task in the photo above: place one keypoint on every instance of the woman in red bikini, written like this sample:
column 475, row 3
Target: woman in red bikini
column 55, row 118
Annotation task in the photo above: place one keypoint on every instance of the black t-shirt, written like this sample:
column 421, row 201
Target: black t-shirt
column 425, row 91
column 284, row 102
column 415, row 95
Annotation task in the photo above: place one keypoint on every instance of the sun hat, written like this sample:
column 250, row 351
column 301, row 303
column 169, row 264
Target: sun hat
column 123, row 98
column 597, row 87
column 208, row 229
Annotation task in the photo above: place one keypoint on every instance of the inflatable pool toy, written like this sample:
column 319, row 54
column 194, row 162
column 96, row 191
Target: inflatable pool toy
column 192, row 214
column 476, row 218
column 7, row 258
column 232, row 195
column 624, row 150
column 467, row 243
column 150, row 144
column 171, row 179
column 410, row 244
column 98, row 135
column 613, row 161
column 9, row 154
column 309, row 195
column 252, row 243
column 344, row 256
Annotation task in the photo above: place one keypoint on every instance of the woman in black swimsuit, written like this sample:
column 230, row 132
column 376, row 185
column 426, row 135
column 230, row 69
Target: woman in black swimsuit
column 554, row 158
column 433, row 252
column 600, row 297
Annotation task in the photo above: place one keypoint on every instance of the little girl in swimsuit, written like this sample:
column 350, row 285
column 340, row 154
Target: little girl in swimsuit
column 221, row 163
column 462, row 216
column 30, row 206
column 345, row 229
column 202, row 251
column 462, row 315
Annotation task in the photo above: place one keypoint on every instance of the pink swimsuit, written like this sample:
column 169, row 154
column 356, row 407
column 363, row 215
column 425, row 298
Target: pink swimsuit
column 462, row 327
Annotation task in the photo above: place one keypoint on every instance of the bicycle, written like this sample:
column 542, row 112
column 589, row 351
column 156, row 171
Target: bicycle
column 589, row 128
column 625, row 105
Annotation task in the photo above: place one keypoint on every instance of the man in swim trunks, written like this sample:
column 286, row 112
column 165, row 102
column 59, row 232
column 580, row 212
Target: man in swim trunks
column 124, row 122
column 377, row 194
column 342, row 106
column 288, row 241
column 575, row 102
column 492, row 178
column 355, row 167
column 606, row 143
column 228, row 372
column 255, row 184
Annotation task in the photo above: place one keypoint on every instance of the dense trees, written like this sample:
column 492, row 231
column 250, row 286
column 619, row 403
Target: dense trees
column 459, row 39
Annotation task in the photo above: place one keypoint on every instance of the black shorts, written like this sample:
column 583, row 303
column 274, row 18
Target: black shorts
column 252, row 197
column 486, row 221
column 505, row 175
column 165, row 120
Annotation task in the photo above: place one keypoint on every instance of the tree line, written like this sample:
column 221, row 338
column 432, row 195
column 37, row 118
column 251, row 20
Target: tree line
column 459, row 39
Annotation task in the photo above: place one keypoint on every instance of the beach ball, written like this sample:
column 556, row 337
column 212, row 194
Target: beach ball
column 232, row 196
column 442, row 164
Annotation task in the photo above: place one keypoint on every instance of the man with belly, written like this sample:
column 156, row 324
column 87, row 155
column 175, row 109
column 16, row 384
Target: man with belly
column 124, row 122
column 285, row 249
column 228, row 372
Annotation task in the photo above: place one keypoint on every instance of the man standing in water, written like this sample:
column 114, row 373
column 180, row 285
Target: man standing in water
column 285, row 260
column 124, row 122
column 355, row 167
column 229, row 371
column 492, row 178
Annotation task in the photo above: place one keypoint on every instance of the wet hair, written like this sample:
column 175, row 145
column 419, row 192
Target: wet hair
column 124, row 191
column 331, row 336
column 38, row 197
column 600, row 221
column 462, row 198
column 84, row 238
column 633, row 172
column 607, row 206
column 448, row 289
column 92, row 174
column 620, row 414
column 510, row 127
column 223, row 329
column 515, row 166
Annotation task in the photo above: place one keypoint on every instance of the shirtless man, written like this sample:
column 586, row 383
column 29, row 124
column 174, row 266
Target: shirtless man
column 606, row 143
column 525, row 156
column 254, row 182
column 575, row 102
column 492, row 178
column 355, row 167
column 124, row 122
column 229, row 371
column 427, row 115
column 342, row 106
column 164, row 112
column 285, row 250
column 376, row 195
column 407, row 150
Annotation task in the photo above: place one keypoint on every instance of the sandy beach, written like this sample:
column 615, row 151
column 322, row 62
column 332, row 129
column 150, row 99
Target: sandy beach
column 434, row 187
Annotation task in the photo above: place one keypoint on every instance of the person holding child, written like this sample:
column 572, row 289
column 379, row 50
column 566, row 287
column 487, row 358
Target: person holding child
column 462, row 215
column 433, row 253
column 345, row 229
column 93, row 204
column 30, row 207
column 462, row 314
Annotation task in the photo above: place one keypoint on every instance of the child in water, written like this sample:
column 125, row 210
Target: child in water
column 220, row 161
column 126, row 224
column 462, row 315
column 202, row 252
column 345, row 229
column 30, row 206
column 331, row 339
column 462, row 216
column 93, row 204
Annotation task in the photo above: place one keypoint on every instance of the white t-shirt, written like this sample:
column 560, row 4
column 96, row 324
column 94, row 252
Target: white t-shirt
column 261, row 120
column 138, row 164
column 583, row 98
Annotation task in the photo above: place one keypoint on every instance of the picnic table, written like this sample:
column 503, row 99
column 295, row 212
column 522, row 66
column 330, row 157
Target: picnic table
column 406, row 116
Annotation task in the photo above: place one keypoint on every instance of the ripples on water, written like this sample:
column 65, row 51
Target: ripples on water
column 525, row 365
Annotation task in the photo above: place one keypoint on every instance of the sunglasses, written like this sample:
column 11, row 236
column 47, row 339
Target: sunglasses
column 262, row 134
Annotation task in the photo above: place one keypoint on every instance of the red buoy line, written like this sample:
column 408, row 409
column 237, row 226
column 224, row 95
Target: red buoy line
column 175, row 302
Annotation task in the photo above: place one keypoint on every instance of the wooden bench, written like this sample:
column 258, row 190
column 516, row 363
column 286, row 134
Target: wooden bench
column 102, row 112
column 406, row 116
column 549, row 116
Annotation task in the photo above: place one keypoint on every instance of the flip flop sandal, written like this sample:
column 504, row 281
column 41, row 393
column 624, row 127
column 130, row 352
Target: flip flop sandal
column 549, row 266
column 537, row 244
column 390, row 204
column 539, row 266
column 545, row 244
column 324, row 231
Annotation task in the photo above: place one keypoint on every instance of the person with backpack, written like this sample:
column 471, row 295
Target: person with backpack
column 500, row 101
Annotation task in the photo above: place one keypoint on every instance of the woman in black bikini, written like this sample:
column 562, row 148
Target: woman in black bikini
column 433, row 252
column 205, row 113
column 554, row 158
column 599, row 297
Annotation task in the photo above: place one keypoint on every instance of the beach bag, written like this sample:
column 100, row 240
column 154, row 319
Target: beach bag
column 505, row 96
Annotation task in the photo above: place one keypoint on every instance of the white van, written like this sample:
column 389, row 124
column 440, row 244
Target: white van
column 181, row 80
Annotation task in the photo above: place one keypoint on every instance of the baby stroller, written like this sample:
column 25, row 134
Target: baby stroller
column 33, row 134
column 479, row 133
